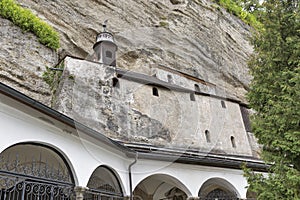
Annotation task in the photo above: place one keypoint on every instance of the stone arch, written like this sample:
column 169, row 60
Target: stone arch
column 161, row 186
column 218, row 188
column 103, row 183
column 54, row 148
column 35, row 169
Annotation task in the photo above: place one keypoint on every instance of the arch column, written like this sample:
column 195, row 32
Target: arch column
column 79, row 192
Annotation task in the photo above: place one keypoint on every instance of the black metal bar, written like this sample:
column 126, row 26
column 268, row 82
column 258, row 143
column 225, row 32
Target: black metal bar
column 56, row 69
column 104, row 192
column 33, row 178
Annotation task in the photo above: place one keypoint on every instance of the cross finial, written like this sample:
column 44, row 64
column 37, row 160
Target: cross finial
column 104, row 25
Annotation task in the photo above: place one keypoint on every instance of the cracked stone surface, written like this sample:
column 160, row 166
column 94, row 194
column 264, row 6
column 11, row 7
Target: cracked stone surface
column 193, row 36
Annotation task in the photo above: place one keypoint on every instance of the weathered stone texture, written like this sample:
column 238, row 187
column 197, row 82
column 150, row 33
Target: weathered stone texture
column 131, row 113
column 23, row 60
column 190, row 35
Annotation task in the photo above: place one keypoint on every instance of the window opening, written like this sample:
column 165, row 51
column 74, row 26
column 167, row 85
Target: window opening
column 223, row 104
column 103, row 184
column 197, row 88
column 155, row 91
column 219, row 194
column 108, row 54
column 192, row 97
column 233, row 142
column 170, row 78
column 207, row 136
column 116, row 82
column 28, row 173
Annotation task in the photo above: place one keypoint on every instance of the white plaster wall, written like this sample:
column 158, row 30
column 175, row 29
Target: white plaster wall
column 83, row 154
column 191, row 176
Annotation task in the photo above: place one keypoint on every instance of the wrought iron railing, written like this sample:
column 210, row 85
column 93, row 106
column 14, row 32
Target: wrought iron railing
column 218, row 194
column 34, row 168
column 20, row 187
column 93, row 194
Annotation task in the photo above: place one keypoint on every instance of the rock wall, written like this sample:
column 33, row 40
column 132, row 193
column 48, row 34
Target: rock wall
column 193, row 36
column 23, row 60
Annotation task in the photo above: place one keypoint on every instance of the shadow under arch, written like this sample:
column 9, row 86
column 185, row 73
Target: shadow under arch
column 104, row 183
column 161, row 186
column 64, row 157
column 35, row 169
column 218, row 188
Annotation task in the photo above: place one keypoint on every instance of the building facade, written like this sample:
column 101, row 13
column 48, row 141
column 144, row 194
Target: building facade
column 117, row 134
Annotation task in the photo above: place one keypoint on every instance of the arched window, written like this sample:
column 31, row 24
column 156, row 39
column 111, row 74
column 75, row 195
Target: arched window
column 103, row 184
column 220, row 194
column 163, row 187
column 217, row 188
column 155, row 91
column 232, row 142
column 207, row 136
column 34, row 171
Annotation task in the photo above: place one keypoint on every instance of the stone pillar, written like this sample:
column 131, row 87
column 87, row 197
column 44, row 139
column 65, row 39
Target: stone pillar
column 79, row 192
column 127, row 197
column 193, row 198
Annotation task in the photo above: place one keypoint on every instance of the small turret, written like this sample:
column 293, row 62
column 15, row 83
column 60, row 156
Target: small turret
column 105, row 47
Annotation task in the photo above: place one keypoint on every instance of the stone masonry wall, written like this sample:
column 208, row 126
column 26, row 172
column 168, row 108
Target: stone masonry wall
column 130, row 112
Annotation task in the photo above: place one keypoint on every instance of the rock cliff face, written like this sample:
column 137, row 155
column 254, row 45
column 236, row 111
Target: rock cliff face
column 193, row 36
column 23, row 60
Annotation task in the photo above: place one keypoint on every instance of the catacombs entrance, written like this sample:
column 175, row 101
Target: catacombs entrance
column 34, row 172
column 104, row 185
column 160, row 186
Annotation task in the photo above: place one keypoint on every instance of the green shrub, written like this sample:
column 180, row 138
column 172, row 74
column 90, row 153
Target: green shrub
column 238, row 11
column 27, row 21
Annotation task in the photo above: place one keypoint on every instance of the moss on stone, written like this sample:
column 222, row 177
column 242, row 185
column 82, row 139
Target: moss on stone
column 163, row 24
column 27, row 21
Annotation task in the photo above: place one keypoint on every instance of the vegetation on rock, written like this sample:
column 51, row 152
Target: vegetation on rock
column 275, row 95
column 27, row 21
column 242, row 10
column 52, row 76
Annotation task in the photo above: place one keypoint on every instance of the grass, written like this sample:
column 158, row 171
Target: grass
column 27, row 21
